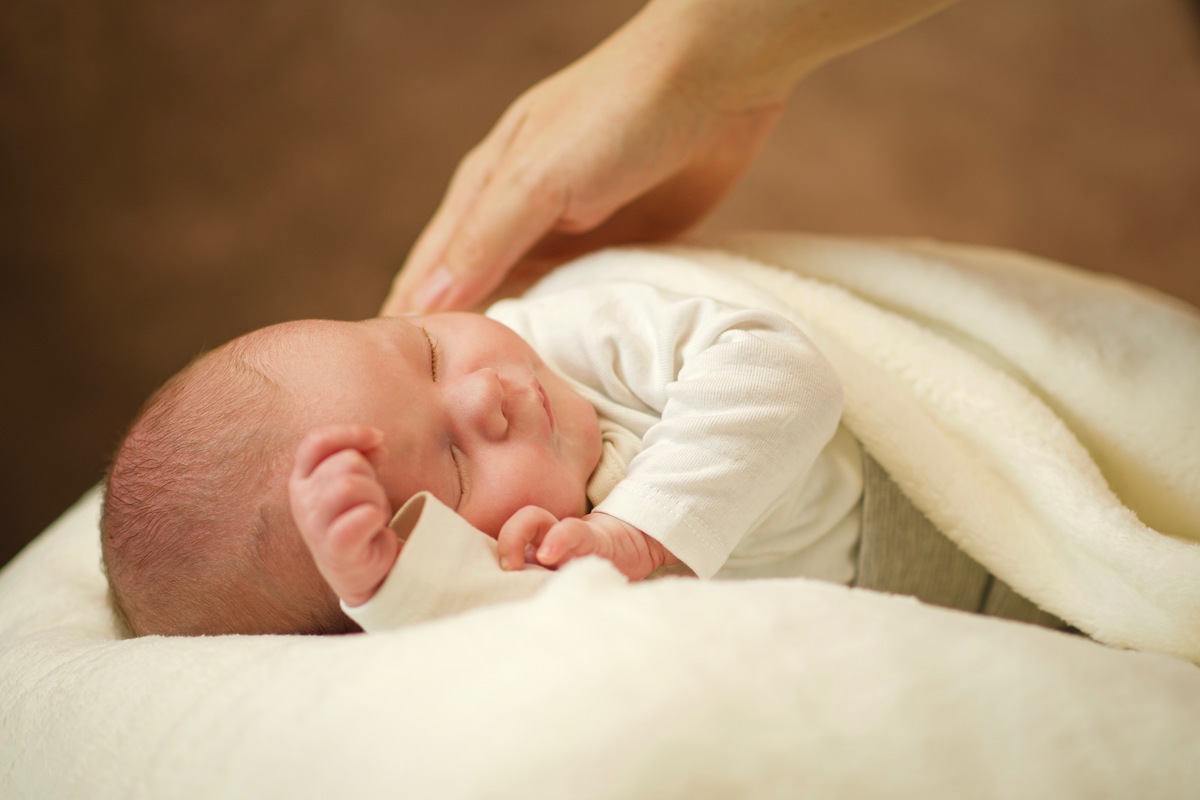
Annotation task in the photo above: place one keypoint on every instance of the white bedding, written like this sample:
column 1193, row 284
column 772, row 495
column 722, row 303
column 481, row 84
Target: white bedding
column 1045, row 419
column 668, row 689
column 673, row 688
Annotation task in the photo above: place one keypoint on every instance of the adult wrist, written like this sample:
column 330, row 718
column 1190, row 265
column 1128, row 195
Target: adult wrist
column 712, row 52
column 744, row 55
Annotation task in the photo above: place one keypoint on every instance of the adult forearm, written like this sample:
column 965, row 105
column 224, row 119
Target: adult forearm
column 743, row 54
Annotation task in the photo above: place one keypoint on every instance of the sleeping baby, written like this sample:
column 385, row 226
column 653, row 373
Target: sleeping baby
column 253, row 492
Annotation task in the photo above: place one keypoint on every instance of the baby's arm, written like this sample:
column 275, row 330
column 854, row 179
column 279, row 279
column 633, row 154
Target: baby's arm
column 341, row 509
column 733, row 405
column 552, row 542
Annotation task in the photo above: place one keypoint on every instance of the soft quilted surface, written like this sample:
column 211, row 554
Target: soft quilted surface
column 591, row 689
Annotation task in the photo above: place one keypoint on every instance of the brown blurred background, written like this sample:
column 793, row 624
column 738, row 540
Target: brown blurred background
column 173, row 174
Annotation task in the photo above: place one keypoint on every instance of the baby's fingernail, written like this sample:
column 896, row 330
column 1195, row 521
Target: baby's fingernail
column 506, row 563
column 434, row 289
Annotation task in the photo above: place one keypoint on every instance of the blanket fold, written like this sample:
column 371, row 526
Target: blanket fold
column 1044, row 418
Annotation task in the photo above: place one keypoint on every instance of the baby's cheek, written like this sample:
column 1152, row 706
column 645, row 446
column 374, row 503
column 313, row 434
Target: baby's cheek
column 401, row 482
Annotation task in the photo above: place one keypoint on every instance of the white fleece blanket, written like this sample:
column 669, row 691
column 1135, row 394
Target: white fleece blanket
column 1046, row 419
column 671, row 689
column 592, row 688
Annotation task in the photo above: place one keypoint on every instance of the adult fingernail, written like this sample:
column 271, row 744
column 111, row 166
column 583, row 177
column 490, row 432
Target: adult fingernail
column 434, row 290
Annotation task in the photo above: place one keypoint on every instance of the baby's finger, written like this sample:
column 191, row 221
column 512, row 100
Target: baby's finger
column 352, row 533
column 572, row 538
column 319, row 443
column 357, row 553
column 340, row 464
column 338, row 482
column 524, row 528
column 315, row 511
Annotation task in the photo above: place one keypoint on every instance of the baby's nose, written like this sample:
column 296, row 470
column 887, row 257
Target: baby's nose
column 480, row 404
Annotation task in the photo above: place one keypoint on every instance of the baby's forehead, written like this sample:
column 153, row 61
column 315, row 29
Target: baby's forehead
column 305, row 352
column 286, row 336
column 279, row 346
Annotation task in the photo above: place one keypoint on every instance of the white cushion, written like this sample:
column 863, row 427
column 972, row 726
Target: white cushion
column 675, row 688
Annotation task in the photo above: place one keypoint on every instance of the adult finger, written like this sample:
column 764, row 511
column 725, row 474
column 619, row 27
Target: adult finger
column 429, row 250
column 470, row 178
column 509, row 217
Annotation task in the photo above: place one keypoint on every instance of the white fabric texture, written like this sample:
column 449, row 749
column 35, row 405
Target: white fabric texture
column 668, row 689
column 717, row 423
column 680, row 688
column 445, row 567
column 1043, row 418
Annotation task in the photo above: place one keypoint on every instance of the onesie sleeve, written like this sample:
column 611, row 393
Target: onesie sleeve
column 743, row 402
column 445, row 567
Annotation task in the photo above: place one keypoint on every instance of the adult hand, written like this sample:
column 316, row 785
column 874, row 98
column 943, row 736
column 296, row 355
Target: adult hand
column 636, row 141
column 623, row 145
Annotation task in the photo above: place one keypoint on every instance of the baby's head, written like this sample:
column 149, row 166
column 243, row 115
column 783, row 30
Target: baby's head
column 196, row 530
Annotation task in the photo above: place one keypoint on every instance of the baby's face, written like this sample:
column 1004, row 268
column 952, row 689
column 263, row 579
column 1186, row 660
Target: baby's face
column 468, row 410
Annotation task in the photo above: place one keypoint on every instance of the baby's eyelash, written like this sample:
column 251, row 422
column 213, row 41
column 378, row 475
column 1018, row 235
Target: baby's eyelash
column 434, row 355
column 462, row 478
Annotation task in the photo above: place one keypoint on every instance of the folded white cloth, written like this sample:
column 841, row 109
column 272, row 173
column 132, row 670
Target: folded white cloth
column 445, row 567
column 1045, row 419
column 591, row 689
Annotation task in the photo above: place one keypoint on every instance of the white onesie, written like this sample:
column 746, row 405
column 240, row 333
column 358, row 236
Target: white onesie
column 719, row 423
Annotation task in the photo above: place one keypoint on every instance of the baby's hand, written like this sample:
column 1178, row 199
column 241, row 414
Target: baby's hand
column 536, row 535
column 341, row 509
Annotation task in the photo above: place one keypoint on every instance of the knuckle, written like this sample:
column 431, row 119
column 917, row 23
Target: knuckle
column 530, row 514
column 469, row 245
column 343, row 491
column 346, row 528
column 545, row 193
column 580, row 217
column 348, row 462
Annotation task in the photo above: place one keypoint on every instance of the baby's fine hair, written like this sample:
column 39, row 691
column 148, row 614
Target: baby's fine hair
column 196, row 534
